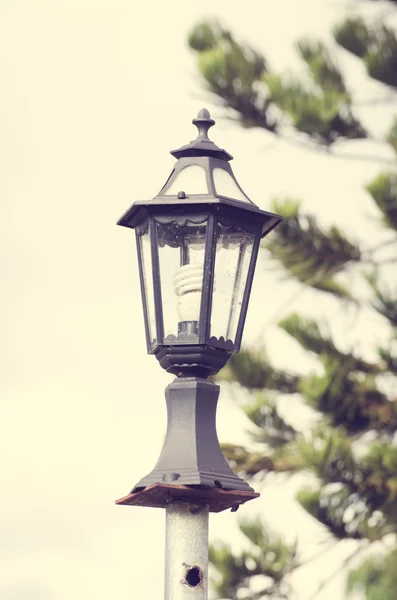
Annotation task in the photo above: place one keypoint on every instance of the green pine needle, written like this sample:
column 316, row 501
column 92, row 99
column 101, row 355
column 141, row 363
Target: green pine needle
column 310, row 254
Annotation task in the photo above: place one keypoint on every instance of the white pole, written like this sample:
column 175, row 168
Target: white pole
column 186, row 552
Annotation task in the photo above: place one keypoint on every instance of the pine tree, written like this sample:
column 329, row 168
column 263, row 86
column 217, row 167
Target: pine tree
column 356, row 495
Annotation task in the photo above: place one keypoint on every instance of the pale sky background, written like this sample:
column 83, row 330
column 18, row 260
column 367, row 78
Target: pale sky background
column 94, row 95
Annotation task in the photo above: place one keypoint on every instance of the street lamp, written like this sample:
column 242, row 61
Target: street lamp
column 197, row 245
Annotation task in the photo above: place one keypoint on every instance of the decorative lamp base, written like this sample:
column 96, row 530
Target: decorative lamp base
column 191, row 454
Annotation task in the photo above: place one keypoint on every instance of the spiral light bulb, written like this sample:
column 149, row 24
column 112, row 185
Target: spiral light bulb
column 188, row 283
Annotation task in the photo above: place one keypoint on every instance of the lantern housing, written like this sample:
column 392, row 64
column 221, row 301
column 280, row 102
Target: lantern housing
column 197, row 244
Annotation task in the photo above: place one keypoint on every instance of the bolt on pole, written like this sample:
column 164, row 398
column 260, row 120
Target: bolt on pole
column 186, row 552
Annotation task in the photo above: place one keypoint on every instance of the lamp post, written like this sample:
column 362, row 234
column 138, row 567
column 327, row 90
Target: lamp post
column 197, row 245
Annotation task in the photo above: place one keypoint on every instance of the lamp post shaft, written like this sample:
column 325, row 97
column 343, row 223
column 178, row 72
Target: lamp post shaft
column 186, row 552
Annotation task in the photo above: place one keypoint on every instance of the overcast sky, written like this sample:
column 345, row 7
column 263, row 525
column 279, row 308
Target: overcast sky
column 94, row 95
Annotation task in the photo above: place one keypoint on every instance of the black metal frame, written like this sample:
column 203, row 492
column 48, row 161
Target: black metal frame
column 158, row 302
column 179, row 354
column 247, row 293
column 208, row 282
column 141, row 263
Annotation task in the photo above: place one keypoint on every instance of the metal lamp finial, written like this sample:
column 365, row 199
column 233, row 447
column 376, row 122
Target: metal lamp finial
column 203, row 122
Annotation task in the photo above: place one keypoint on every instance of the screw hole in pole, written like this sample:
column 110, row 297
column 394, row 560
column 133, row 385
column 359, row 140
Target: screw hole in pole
column 194, row 576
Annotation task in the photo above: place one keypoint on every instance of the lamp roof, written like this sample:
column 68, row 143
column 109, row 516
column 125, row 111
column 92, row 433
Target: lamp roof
column 204, row 153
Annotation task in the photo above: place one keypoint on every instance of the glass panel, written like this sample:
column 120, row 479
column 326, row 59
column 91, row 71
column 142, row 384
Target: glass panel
column 233, row 254
column 146, row 272
column 191, row 180
column 181, row 257
column 225, row 185
column 166, row 183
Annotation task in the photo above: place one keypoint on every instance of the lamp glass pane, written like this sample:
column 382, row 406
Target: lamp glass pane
column 181, row 258
column 191, row 180
column 232, row 260
column 145, row 258
column 225, row 185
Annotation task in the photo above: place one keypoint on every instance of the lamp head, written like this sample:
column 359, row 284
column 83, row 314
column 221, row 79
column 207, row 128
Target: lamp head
column 200, row 228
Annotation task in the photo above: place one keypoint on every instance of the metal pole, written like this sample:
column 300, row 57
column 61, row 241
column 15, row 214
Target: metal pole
column 186, row 552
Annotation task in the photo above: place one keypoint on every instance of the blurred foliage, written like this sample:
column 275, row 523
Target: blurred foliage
column 322, row 67
column 353, row 35
column 254, row 371
column 376, row 576
column 381, row 59
column 377, row 46
column 272, row 428
column 385, row 300
column 357, row 497
column 307, row 333
column 268, row 556
column 392, row 135
column 232, row 72
column 383, row 190
column 323, row 114
column 390, row 358
column 308, row 253
column 349, row 448
column 349, row 399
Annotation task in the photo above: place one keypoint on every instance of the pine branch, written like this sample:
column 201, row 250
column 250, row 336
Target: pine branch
column 353, row 35
column 272, row 429
column 381, row 246
column 307, row 333
column 376, row 46
column 240, row 78
column 314, row 147
column 323, row 113
column 317, row 555
column 283, row 308
column 327, row 151
column 391, row 137
column 381, row 58
column 385, row 261
column 341, row 568
column 270, row 556
column 376, row 576
column 349, row 398
column 385, row 298
column 233, row 73
column 323, row 68
column 278, row 313
column 310, row 254
column 383, row 190
column 365, row 488
column 252, row 370
column 376, row 100
column 248, row 463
